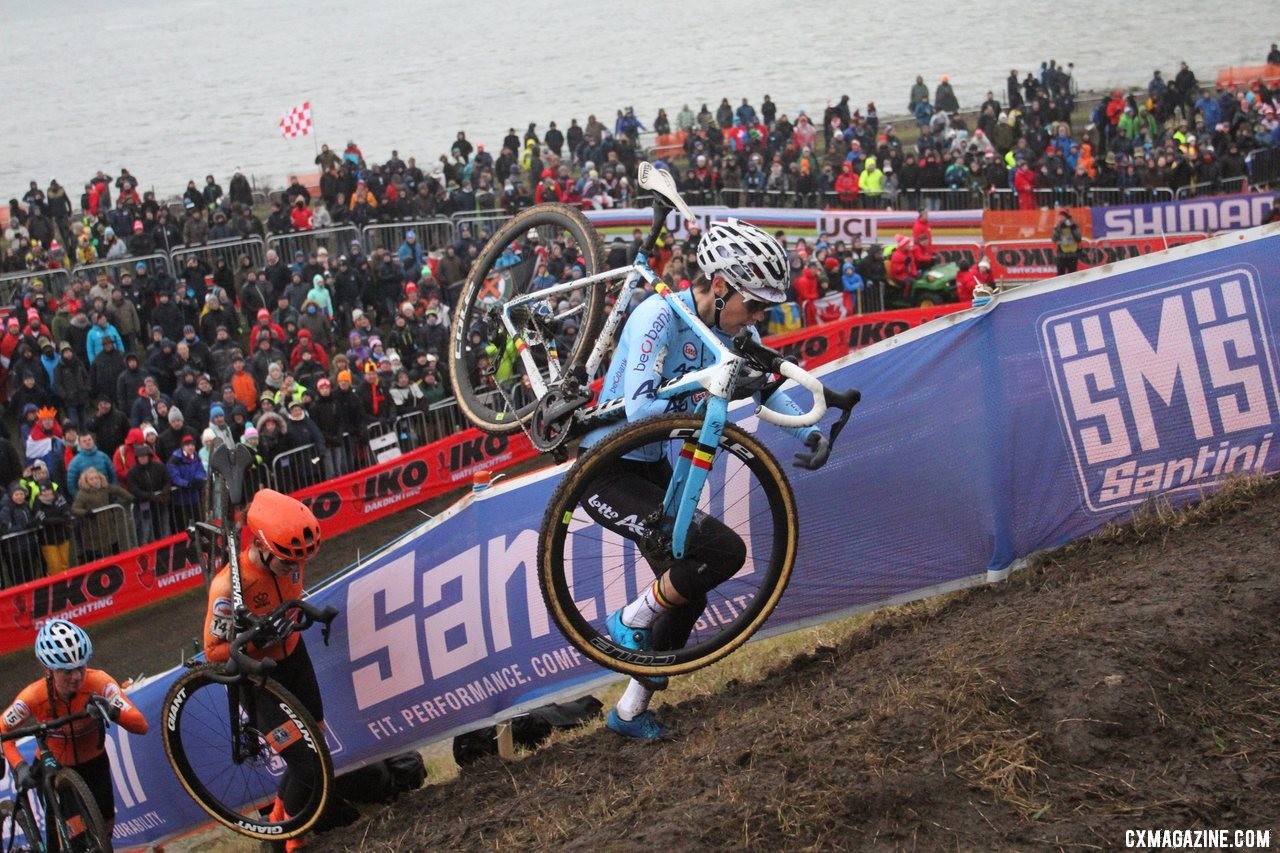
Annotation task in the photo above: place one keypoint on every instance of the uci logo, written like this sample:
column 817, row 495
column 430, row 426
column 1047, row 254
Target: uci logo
column 1164, row 391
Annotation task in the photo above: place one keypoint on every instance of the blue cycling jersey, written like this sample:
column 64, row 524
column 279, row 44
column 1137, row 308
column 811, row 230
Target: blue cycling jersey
column 658, row 345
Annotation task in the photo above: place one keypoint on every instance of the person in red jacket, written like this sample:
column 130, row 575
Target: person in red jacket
column 306, row 343
column 300, row 215
column 264, row 326
column 966, row 281
column 1024, row 184
column 847, row 186
column 68, row 687
column 922, row 237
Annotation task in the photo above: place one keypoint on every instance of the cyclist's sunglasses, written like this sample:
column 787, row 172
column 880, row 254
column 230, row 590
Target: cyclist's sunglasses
column 753, row 305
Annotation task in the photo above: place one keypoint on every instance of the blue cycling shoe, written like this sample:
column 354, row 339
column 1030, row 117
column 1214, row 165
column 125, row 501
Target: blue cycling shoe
column 638, row 640
column 635, row 639
column 644, row 727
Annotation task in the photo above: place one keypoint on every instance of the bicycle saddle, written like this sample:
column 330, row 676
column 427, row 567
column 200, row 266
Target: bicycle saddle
column 660, row 183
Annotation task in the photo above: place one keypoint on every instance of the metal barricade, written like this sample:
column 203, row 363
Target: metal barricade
column 444, row 419
column 1145, row 195
column 112, row 270
column 1002, row 199
column 937, row 199
column 733, row 197
column 336, row 240
column 431, row 234
column 227, row 250
column 104, row 531
column 777, row 198
column 297, row 468
column 477, row 221
column 15, row 284
column 411, row 430
column 258, row 197
column 1263, row 167
column 20, row 559
column 1225, row 186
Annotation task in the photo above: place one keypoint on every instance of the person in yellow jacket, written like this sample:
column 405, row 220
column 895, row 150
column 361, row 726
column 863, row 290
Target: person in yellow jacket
column 872, row 183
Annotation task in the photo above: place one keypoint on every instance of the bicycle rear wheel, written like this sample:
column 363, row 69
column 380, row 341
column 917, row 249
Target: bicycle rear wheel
column 500, row 274
column 241, row 793
column 77, row 816
column 587, row 570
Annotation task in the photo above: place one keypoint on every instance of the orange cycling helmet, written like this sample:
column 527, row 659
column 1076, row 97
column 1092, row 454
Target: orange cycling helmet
column 282, row 526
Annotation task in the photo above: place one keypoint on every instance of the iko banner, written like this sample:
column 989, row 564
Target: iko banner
column 817, row 346
column 1032, row 260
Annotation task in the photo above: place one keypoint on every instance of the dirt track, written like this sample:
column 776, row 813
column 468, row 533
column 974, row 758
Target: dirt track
column 1128, row 683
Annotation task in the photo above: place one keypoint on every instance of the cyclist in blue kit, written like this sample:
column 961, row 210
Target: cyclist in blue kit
column 742, row 274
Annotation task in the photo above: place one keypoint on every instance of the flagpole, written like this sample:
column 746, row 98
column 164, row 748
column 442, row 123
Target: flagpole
column 315, row 136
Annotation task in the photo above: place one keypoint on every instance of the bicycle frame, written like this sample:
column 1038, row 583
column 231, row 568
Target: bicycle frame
column 717, row 379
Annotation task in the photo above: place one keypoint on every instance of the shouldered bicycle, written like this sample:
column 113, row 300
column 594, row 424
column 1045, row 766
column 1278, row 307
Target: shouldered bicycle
column 586, row 571
column 230, row 730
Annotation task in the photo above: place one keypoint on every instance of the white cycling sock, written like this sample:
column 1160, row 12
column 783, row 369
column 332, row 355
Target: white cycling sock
column 645, row 610
column 634, row 701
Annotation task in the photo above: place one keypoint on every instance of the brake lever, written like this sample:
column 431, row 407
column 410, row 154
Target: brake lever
column 843, row 400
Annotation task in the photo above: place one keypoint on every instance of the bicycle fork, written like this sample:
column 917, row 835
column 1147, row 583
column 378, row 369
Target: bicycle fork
column 697, row 455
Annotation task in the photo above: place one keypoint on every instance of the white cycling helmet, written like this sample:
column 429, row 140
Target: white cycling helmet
column 63, row 645
column 749, row 259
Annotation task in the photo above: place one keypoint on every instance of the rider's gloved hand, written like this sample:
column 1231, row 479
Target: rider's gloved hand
column 102, row 708
column 23, row 777
column 819, row 450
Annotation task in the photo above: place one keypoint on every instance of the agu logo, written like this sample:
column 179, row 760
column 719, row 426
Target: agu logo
column 1167, row 390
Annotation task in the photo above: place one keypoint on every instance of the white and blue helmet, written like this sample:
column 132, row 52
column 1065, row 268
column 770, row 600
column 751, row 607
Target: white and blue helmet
column 63, row 645
column 748, row 258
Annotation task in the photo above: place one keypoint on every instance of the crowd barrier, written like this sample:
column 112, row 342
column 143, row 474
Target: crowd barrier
column 444, row 630
column 228, row 251
column 336, row 240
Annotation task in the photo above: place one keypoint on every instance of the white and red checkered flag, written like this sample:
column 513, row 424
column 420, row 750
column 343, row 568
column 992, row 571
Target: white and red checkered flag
column 297, row 122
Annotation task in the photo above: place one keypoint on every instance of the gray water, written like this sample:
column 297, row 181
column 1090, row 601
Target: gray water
column 175, row 89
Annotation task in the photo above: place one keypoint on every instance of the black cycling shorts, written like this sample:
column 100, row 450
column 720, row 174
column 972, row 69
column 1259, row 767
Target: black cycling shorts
column 714, row 553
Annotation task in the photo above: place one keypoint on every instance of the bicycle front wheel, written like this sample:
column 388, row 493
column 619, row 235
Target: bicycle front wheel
column 279, row 746
column 19, row 811
column 506, row 268
column 79, row 822
column 587, row 569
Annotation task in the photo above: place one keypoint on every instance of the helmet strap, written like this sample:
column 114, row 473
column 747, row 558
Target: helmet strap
column 719, row 306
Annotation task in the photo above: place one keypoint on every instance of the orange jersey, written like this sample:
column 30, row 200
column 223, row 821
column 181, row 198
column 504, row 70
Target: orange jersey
column 78, row 741
column 262, row 592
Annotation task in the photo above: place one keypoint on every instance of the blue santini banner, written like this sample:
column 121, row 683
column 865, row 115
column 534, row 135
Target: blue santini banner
column 981, row 438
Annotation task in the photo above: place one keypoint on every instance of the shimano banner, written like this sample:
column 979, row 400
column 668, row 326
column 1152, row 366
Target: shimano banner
column 1207, row 213
column 989, row 434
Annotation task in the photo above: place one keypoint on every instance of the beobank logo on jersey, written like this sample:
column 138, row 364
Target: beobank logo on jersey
column 1165, row 391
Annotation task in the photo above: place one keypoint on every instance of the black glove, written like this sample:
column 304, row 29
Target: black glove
column 819, row 448
column 103, row 708
column 23, row 777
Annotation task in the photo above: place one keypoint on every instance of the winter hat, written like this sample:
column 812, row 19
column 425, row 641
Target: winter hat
column 175, row 416
column 216, row 411
column 206, row 436
column 188, row 438
column 356, row 314
column 264, row 314
column 344, row 375
column 148, row 430
column 323, row 382
column 141, row 450
column 250, row 431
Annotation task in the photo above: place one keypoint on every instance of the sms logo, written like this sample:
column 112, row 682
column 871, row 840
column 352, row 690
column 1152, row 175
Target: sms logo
column 1165, row 391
